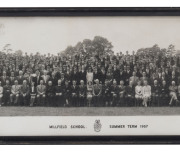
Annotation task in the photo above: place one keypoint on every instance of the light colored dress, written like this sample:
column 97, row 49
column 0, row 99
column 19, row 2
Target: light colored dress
column 1, row 91
column 146, row 91
column 138, row 91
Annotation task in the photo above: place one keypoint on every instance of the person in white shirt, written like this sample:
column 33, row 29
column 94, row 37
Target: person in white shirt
column 146, row 92
column 89, row 75
column 1, row 94
column 138, row 93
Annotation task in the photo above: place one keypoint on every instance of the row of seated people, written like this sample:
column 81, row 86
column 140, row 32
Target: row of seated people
column 92, row 94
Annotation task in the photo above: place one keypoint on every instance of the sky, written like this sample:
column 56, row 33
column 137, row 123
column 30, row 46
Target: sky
column 54, row 34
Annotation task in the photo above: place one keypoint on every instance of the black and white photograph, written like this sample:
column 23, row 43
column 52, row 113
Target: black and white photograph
column 85, row 66
column 90, row 75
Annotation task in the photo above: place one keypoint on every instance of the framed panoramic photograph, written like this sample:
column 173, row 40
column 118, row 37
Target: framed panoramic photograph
column 88, row 75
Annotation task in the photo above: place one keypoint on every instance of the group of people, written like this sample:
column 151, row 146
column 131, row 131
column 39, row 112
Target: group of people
column 89, row 79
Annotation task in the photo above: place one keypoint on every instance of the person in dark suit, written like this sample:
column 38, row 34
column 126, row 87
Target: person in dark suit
column 67, row 93
column 12, row 78
column 14, row 96
column 121, row 93
column 164, row 94
column 114, row 89
column 82, row 94
column 74, row 94
column 41, row 94
column 129, row 94
column 155, row 93
column 6, row 92
column 24, row 93
column 116, row 74
column 59, row 95
column 36, row 78
column 20, row 78
column 54, row 79
column 33, row 92
column 50, row 94
column 97, row 93
column 4, row 77
column 106, row 93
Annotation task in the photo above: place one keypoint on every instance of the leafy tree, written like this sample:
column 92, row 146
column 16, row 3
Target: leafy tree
column 98, row 45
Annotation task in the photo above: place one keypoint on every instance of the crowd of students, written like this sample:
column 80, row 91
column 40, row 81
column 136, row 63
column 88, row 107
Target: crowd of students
column 88, row 80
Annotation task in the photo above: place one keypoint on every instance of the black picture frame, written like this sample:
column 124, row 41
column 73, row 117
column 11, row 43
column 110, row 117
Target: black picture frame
column 89, row 11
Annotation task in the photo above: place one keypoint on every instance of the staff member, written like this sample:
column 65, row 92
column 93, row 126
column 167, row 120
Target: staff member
column 146, row 91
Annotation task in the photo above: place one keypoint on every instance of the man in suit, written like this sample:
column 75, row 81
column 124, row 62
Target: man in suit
column 134, row 79
column 155, row 93
column 114, row 89
column 54, row 79
column 14, row 96
column 67, row 93
column 74, row 94
column 36, row 78
column 20, row 78
column 50, row 94
column 82, row 94
column 121, row 93
column 4, row 78
column 24, row 93
column 41, row 94
column 106, row 94
column 7, row 92
column 12, row 78
column 97, row 93
column 59, row 95
column 33, row 93
column 129, row 94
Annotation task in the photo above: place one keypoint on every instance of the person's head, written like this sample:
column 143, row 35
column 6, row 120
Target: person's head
column 4, row 73
column 155, row 82
column 20, row 73
column 16, row 82
column 59, row 82
column 145, row 82
column 24, row 82
column 37, row 72
column 12, row 73
column 41, row 82
column 74, row 82
column 173, row 83
column 164, row 83
column 121, row 82
column 97, row 81
column 49, row 83
column 7, row 82
column 82, row 82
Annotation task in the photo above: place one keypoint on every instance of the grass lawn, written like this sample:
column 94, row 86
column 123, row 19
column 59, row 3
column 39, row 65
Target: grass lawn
column 86, row 111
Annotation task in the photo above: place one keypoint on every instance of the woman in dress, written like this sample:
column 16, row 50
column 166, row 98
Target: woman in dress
column 89, row 76
column 138, row 93
column 1, row 94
